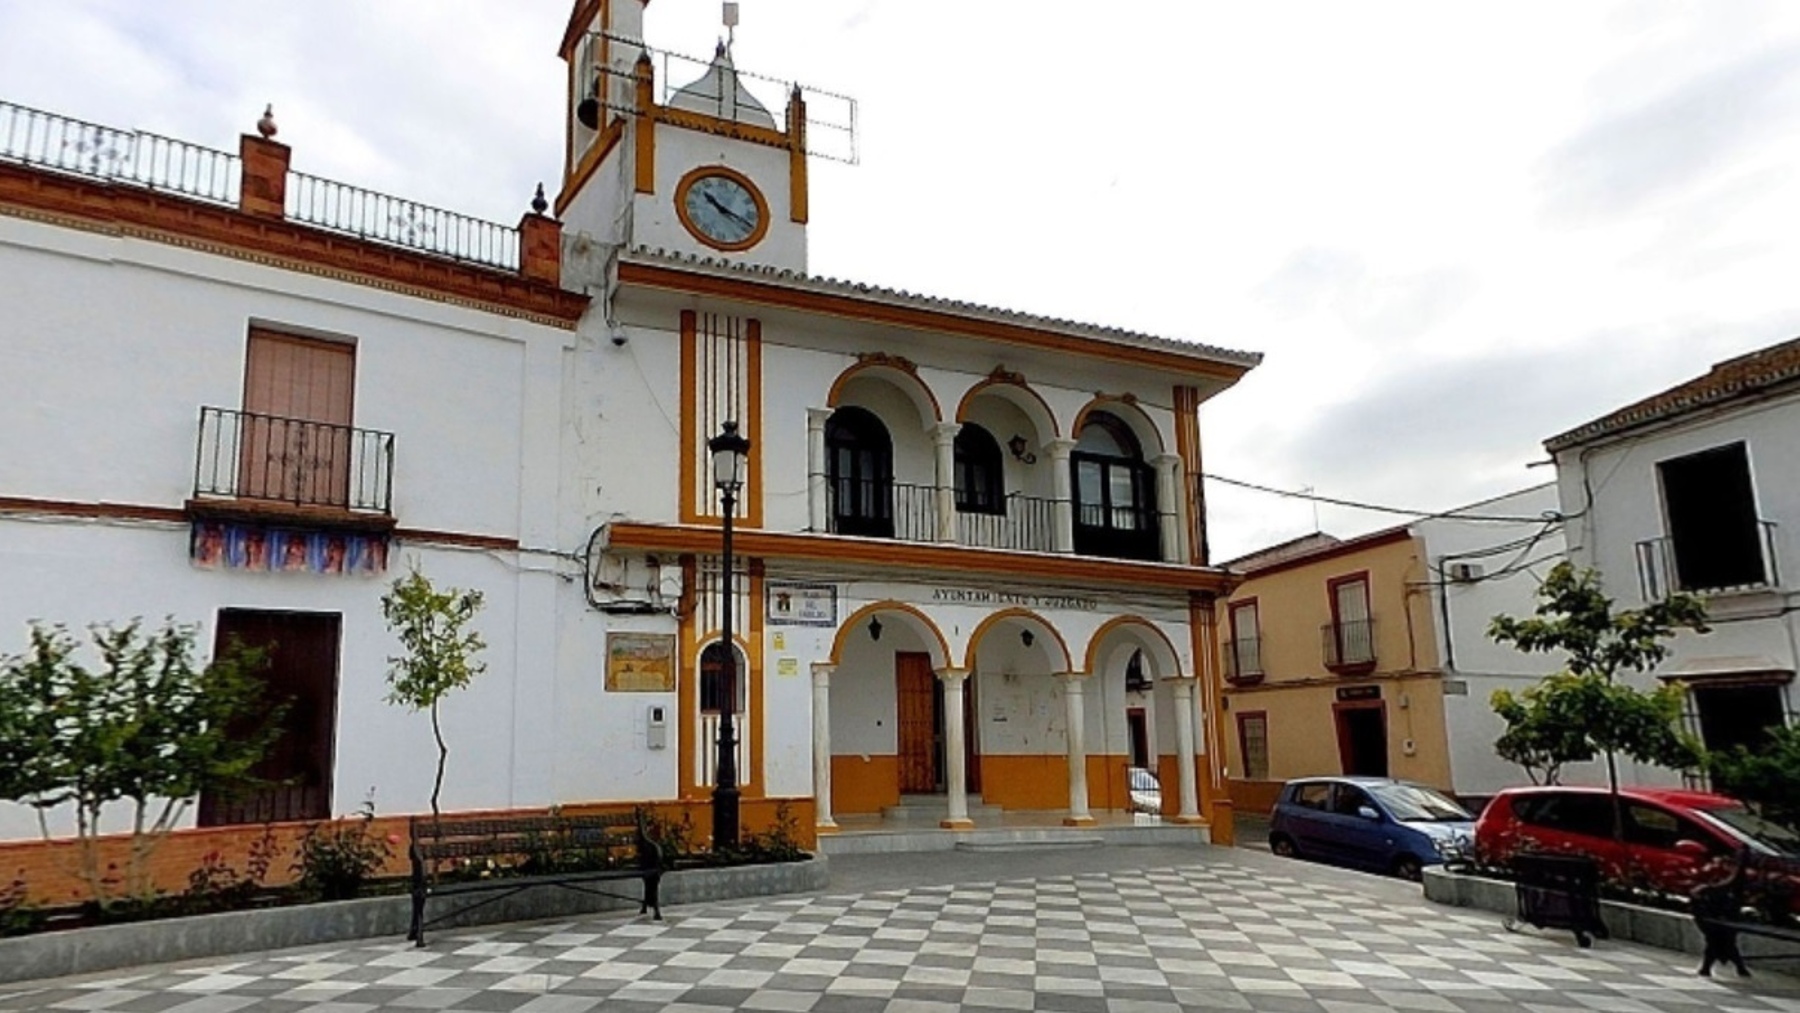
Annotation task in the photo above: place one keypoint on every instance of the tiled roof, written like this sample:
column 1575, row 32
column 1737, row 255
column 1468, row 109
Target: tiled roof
column 874, row 293
column 1726, row 381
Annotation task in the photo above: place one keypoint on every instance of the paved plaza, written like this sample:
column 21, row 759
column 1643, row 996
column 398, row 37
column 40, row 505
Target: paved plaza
column 1129, row 929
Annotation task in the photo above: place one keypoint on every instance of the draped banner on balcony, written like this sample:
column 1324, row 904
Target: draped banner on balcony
column 219, row 545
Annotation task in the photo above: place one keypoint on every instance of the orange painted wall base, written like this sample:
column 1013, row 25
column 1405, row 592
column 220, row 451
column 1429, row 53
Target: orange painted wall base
column 864, row 784
column 49, row 868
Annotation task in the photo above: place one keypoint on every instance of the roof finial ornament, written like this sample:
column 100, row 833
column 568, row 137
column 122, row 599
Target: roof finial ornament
column 731, row 23
column 538, row 203
column 266, row 125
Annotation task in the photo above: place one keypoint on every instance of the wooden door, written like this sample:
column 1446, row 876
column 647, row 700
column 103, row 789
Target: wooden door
column 302, row 673
column 918, row 695
column 294, row 444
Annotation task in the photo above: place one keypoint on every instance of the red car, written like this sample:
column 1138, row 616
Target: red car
column 1673, row 840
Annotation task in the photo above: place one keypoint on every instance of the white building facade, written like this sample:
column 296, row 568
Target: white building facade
column 1696, row 489
column 971, row 554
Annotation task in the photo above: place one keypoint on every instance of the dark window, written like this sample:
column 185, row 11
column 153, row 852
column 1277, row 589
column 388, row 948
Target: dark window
column 1654, row 827
column 1739, row 715
column 1253, row 742
column 860, row 477
column 1313, row 795
column 979, row 485
column 1348, row 799
column 1137, row 728
column 1135, row 679
column 1574, row 813
column 302, row 672
column 713, row 662
column 1711, row 513
column 1115, row 492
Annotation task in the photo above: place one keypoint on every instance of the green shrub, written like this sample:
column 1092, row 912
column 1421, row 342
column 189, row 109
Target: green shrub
column 337, row 857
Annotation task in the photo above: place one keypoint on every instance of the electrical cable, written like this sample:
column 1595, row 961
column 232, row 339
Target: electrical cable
column 1457, row 514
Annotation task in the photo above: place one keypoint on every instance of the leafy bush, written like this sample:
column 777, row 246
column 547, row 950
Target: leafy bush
column 1767, row 780
column 216, row 885
column 149, row 727
column 779, row 843
column 674, row 839
column 16, row 918
column 337, row 857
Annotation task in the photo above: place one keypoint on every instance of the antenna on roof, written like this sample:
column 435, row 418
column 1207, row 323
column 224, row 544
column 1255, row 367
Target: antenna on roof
column 731, row 22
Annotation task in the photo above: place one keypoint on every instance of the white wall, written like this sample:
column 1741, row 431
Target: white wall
column 1616, row 483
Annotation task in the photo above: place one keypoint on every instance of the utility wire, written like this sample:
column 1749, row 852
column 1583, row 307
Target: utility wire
column 1426, row 515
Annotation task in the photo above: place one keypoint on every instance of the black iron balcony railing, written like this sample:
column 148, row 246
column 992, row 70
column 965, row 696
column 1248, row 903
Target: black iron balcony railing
column 243, row 455
column 1349, row 644
column 400, row 222
column 1027, row 525
column 1747, row 563
column 875, row 508
column 1243, row 660
column 130, row 157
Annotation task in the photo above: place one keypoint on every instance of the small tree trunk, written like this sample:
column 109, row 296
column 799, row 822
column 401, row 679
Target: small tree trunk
column 437, row 785
column 1618, row 806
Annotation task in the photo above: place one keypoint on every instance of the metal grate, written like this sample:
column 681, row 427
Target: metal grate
column 244, row 455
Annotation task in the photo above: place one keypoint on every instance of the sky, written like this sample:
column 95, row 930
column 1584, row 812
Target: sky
column 1453, row 229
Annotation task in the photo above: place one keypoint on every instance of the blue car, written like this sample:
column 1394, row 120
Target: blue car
column 1373, row 823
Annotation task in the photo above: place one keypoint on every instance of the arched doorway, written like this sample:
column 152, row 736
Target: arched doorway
column 1115, row 491
column 859, row 473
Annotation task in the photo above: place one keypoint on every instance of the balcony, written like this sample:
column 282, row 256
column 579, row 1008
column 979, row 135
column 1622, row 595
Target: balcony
column 1243, row 661
column 1724, row 564
column 274, row 464
column 909, row 513
column 1349, row 646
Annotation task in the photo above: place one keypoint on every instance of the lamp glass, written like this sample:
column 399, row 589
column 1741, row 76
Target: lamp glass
column 729, row 453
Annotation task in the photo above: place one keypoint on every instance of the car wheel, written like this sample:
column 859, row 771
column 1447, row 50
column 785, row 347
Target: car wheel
column 1407, row 867
column 1283, row 846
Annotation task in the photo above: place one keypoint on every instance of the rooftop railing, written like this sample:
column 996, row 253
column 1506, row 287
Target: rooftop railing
column 400, row 222
column 131, row 157
column 56, row 143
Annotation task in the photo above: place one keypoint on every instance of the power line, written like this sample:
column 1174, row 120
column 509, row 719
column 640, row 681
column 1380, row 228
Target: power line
column 1424, row 515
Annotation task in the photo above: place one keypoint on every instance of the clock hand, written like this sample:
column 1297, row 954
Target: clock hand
column 727, row 212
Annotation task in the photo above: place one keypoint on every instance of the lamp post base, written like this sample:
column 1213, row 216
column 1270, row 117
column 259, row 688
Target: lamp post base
column 725, row 818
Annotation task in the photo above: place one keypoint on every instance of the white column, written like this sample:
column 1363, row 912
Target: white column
column 944, row 436
column 821, row 676
column 957, row 818
column 816, row 466
column 1168, row 508
column 1183, row 692
column 1063, row 489
column 1077, row 722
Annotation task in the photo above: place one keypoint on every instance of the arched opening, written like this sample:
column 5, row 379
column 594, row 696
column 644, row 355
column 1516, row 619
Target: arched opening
column 715, row 662
column 859, row 473
column 1115, row 491
column 980, row 487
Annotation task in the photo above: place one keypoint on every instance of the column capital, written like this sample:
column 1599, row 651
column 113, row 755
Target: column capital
column 818, row 416
column 945, row 432
column 822, row 671
column 1060, row 448
column 1073, row 677
column 951, row 674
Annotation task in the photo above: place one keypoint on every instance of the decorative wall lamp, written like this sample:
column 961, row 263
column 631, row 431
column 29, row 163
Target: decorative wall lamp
column 874, row 627
column 1017, row 445
column 1026, row 638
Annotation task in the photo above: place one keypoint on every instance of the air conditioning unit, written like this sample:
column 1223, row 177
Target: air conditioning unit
column 1465, row 573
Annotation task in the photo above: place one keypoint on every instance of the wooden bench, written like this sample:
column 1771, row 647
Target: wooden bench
column 505, row 856
column 1757, row 899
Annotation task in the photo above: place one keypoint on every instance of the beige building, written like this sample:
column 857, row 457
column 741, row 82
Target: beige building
column 1331, row 665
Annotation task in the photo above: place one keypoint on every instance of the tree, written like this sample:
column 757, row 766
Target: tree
column 1581, row 712
column 440, row 652
column 1767, row 780
column 148, row 728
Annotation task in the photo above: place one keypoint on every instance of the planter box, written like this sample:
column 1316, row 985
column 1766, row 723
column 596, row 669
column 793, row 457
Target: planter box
column 109, row 947
column 1668, row 930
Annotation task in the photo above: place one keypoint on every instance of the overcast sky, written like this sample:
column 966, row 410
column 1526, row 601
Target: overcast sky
column 1453, row 229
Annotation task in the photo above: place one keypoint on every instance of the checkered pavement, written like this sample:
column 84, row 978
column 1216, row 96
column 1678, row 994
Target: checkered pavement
column 1214, row 936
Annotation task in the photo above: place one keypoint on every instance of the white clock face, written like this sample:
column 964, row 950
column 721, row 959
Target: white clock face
column 723, row 210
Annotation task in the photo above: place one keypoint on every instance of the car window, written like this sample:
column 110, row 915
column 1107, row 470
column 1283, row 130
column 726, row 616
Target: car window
column 1748, row 824
column 1411, row 803
column 1349, row 799
column 1313, row 795
column 1571, row 812
column 1655, row 827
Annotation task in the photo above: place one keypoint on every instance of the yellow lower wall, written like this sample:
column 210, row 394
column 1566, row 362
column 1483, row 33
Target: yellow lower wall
column 1253, row 796
column 1303, row 737
column 864, row 784
column 47, row 868
column 1025, row 782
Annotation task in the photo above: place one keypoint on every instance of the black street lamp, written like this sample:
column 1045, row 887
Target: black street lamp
column 729, row 451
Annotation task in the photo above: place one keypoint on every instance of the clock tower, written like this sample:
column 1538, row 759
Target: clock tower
column 678, row 154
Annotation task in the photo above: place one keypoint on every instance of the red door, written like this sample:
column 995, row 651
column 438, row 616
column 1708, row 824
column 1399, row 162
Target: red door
column 918, row 699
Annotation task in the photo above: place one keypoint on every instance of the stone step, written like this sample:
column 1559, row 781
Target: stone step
column 865, row 842
column 929, row 809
